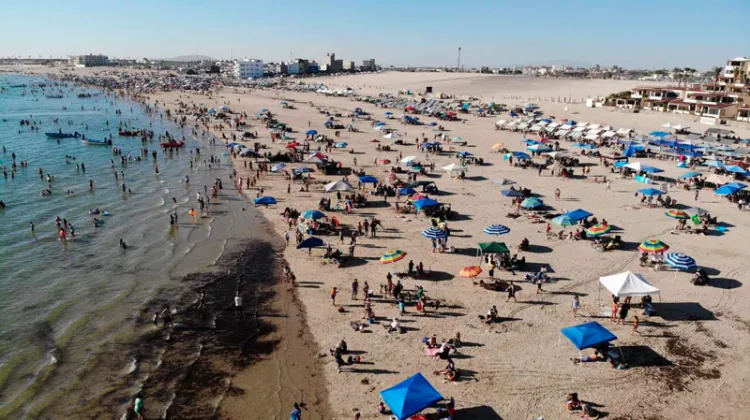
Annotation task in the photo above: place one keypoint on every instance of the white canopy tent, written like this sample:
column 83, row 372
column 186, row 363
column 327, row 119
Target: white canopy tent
column 339, row 186
column 628, row 284
column 455, row 167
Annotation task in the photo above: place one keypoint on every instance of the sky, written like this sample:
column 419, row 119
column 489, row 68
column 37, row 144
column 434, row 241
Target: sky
column 494, row 33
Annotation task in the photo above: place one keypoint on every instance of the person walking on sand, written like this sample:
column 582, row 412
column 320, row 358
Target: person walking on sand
column 238, row 305
column 609, row 186
column 334, row 291
column 575, row 306
column 511, row 292
column 557, row 194
column 636, row 322
column 296, row 413
column 697, row 192
column 355, row 289
column 286, row 237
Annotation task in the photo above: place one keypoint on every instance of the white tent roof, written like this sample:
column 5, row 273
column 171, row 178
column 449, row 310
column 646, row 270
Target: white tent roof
column 592, row 136
column 628, row 284
column 391, row 136
column 554, row 155
column 313, row 159
column 408, row 159
column 576, row 134
column 553, row 125
column 339, row 186
column 500, row 122
column 580, row 128
column 454, row 167
column 608, row 134
column 624, row 130
column 562, row 132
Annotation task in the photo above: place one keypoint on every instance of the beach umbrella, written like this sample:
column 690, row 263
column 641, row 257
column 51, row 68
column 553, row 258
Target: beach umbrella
column 496, row 230
column 408, row 159
column 233, row 145
column 392, row 136
column 311, row 242
column 434, row 233
column 311, row 132
column 518, row 155
column 313, row 215
column 383, row 162
column 511, row 193
column 283, row 103
column 532, row 203
column 341, row 145
column 564, row 220
column 263, row 110
column 504, row 181
column 470, row 271
column 677, row 214
column 264, row 201
column 407, row 191
column 278, row 167
column 650, row 192
column 598, row 230
column 497, row 146
column 379, row 124
column 680, row 261
column 392, row 256
column 654, row 246
column 540, row 148
column 388, row 113
column 367, row 179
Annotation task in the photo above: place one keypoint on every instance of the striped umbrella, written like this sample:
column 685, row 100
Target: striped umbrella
column 470, row 271
column 564, row 220
column 496, row 230
column 531, row 203
column 654, row 246
column 417, row 197
column 680, row 261
column 434, row 233
column 392, row 256
column 598, row 230
column 677, row 214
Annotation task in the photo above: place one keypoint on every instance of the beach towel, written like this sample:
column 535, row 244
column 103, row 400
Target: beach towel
column 432, row 352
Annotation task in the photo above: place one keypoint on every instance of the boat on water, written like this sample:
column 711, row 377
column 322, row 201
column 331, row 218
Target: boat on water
column 54, row 96
column 18, row 86
column 172, row 144
column 84, row 95
column 61, row 135
column 97, row 142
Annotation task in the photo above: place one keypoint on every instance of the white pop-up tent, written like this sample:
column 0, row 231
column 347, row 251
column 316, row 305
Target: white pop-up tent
column 628, row 284
column 339, row 186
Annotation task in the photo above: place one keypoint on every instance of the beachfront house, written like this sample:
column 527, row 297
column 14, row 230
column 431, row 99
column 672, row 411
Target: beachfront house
column 734, row 76
column 248, row 68
column 706, row 103
column 90, row 60
column 743, row 113
column 655, row 99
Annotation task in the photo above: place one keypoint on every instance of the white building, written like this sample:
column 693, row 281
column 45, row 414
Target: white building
column 248, row 68
column 90, row 60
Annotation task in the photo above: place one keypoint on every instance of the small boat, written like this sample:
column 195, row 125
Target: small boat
column 18, row 86
column 84, row 95
column 61, row 135
column 172, row 144
column 54, row 96
column 96, row 142
column 129, row 133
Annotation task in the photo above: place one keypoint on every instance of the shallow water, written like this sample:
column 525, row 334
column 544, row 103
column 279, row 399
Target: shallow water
column 66, row 308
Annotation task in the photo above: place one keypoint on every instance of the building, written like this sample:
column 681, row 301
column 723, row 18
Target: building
column 655, row 99
column 298, row 66
column 248, row 68
column 743, row 113
column 706, row 103
column 735, row 75
column 369, row 65
column 350, row 66
column 332, row 64
column 90, row 60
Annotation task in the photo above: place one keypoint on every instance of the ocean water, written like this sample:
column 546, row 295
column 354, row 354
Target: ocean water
column 66, row 307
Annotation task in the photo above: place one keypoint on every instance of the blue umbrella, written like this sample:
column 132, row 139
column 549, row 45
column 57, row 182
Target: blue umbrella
column 380, row 124
column 714, row 164
column 367, row 179
column 464, row 154
column 410, row 396
column 311, row 242
column 341, row 145
column 680, row 261
column 650, row 192
column 513, row 114
column 311, row 132
column 264, row 201
column 511, row 193
column 233, row 144
column 541, row 148
column 432, row 124
column 530, row 142
column 496, row 230
column 588, row 335
column 532, row 203
column 518, row 155
column 407, row 191
column 313, row 214
column 389, row 113
column 263, row 110
column 434, row 233
column 426, row 202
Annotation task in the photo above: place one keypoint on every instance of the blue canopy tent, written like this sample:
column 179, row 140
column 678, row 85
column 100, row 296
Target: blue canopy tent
column 650, row 192
column 735, row 169
column 511, row 193
column 368, row 179
column 728, row 189
column 578, row 215
column 410, row 396
column 407, row 191
column 588, row 335
column 714, row 164
column 585, row 146
column 659, row 134
column 311, row 242
column 264, row 201
column 690, row 174
column 620, row 163
column 518, row 155
column 530, row 142
column 539, row 148
column 311, row 132
column 426, row 202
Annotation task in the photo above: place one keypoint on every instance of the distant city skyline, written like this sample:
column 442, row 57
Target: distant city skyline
column 417, row 33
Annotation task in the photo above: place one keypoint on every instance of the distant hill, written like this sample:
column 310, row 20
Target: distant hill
column 191, row 58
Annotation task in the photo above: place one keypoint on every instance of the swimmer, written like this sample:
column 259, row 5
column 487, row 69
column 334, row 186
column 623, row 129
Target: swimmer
column 31, row 224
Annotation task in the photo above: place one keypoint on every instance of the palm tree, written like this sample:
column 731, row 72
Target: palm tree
column 717, row 72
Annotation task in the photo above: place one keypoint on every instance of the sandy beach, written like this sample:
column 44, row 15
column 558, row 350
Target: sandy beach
column 685, row 359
